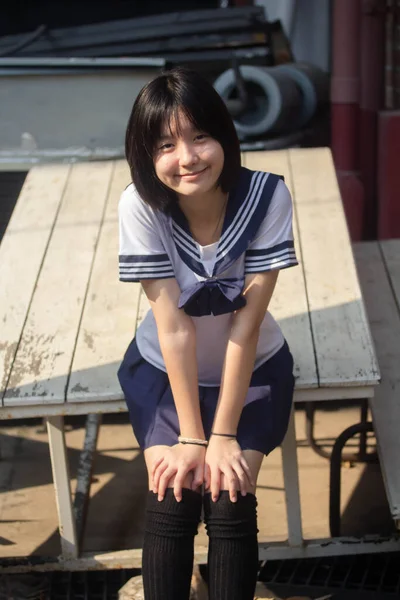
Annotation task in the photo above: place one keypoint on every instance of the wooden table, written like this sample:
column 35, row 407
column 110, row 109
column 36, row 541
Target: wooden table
column 66, row 319
column 378, row 265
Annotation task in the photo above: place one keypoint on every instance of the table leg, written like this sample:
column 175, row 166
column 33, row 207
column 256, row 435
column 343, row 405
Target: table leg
column 61, row 478
column 84, row 474
column 291, row 483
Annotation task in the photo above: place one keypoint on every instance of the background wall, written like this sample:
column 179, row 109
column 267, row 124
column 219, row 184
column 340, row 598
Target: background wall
column 307, row 24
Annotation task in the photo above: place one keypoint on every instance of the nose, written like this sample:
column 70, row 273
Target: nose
column 187, row 154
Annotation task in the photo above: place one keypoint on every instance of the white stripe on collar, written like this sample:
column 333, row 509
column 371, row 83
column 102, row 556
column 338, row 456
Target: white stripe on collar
column 243, row 215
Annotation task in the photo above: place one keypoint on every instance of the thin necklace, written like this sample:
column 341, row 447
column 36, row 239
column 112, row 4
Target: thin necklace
column 220, row 218
column 218, row 222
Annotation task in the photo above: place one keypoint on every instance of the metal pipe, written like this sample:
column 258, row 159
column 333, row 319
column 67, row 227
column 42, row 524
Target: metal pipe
column 84, row 475
column 335, row 473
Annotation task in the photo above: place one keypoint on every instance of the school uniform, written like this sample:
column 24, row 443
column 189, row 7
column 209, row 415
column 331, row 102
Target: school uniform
column 256, row 236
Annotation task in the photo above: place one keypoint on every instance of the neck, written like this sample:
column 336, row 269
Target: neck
column 204, row 208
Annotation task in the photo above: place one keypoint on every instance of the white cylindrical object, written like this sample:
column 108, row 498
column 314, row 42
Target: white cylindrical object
column 275, row 100
column 313, row 84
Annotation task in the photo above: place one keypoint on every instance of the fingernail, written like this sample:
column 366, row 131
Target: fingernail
column 244, row 493
column 178, row 499
column 160, row 498
column 214, row 499
column 234, row 499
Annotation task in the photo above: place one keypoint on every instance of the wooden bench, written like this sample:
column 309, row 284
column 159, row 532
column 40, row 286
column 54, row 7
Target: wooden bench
column 66, row 321
column 378, row 266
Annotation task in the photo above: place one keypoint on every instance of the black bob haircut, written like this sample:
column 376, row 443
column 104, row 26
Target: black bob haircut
column 179, row 89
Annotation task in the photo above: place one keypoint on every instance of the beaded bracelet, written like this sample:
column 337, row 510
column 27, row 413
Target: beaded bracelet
column 194, row 441
column 229, row 435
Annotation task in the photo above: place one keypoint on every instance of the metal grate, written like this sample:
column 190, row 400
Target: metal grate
column 363, row 577
column 360, row 573
column 96, row 585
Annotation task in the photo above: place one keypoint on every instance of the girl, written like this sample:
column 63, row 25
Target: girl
column 208, row 379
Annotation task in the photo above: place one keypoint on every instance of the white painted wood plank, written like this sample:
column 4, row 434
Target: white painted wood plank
column 383, row 313
column 391, row 254
column 289, row 303
column 21, row 254
column 341, row 332
column 62, row 487
column 109, row 317
column 32, row 411
column 106, row 406
column 44, row 357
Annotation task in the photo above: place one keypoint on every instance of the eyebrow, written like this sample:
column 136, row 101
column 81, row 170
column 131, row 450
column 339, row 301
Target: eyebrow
column 173, row 134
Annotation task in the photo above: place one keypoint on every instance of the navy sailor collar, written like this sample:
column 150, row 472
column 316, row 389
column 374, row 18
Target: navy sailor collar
column 248, row 204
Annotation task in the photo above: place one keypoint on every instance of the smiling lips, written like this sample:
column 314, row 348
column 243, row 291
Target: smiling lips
column 190, row 175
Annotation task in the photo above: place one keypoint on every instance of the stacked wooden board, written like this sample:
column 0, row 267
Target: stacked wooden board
column 169, row 35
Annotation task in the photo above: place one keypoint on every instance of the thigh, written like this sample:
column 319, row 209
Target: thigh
column 266, row 411
column 151, row 455
column 254, row 460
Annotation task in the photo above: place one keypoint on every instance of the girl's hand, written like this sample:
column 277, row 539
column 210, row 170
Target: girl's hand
column 178, row 461
column 224, row 457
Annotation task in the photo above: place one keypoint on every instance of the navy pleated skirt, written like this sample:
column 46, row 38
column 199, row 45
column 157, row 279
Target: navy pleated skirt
column 265, row 415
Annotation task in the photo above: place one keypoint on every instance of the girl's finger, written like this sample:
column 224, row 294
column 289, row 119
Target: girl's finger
column 178, row 484
column 232, row 482
column 155, row 465
column 156, row 480
column 164, row 481
column 241, row 477
column 215, row 483
column 247, row 470
column 207, row 478
column 198, row 477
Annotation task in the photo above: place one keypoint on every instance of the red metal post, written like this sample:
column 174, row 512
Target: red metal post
column 373, row 20
column 389, row 174
column 345, row 94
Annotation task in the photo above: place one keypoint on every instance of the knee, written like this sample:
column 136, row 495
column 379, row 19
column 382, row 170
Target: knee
column 226, row 519
column 226, row 484
column 152, row 456
column 187, row 483
column 170, row 518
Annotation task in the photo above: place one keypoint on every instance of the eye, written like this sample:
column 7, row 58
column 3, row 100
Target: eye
column 166, row 146
column 201, row 136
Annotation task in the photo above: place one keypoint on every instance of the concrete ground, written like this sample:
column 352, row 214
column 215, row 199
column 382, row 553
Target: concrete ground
column 115, row 518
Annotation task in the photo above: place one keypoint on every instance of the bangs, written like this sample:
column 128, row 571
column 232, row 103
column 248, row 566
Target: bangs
column 166, row 115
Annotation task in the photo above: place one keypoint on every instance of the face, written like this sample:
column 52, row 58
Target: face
column 188, row 161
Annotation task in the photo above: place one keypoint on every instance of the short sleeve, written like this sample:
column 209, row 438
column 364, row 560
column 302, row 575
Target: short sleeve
column 273, row 246
column 142, row 254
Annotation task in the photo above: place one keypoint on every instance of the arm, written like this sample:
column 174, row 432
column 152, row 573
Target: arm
column 241, row 350
column 143, row 257
column 177, row 336
column 272, row 249
column 224, row 454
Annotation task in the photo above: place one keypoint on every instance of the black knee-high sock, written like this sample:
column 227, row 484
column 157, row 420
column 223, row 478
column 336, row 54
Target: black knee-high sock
column 167, row 562
column 233, row 547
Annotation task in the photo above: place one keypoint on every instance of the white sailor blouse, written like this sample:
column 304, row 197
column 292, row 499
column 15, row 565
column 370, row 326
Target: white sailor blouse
column 256, row 236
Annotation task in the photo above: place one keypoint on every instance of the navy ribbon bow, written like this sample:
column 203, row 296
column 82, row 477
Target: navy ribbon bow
column 213, row 296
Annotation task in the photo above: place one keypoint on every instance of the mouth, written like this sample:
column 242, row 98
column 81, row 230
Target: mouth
column 189, row 176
